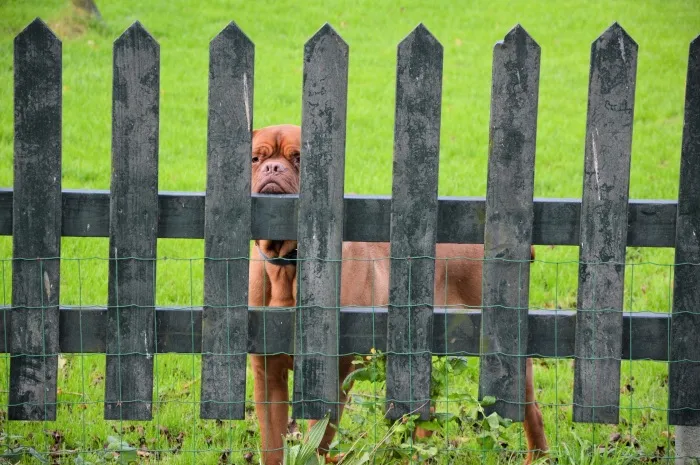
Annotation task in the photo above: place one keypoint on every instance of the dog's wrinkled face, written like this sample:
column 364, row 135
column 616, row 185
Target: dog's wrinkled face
column 275, row 170
column 276, row 160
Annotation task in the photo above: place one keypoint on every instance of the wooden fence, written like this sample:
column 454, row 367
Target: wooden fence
column 133, row 214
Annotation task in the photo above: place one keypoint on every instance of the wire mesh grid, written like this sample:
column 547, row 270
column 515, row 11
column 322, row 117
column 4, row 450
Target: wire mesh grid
column 458, row 432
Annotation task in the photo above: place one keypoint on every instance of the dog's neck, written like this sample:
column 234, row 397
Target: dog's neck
column 290, row 259
column 277, row 250
column 280, row 270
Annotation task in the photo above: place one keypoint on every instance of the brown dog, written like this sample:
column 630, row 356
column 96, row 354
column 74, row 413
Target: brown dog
column 276, row 152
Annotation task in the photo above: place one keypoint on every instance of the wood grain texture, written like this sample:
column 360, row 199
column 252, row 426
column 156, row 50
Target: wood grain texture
column 36, row 226
column 227, row 225
column 320, row 226
column 414, row 212
column 508, row 222
column 603, row 227
column 684, row 367
column 133, row 227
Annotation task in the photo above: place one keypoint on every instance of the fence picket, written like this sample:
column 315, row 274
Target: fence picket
column 227, row 225
column 684, row 369
column 133, row 226
column 414, row 211
column 320, row 226
column 36, row 229
column 508, row 222
column 604, row 227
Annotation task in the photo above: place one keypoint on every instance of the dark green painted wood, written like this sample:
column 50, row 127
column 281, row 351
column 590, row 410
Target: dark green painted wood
column 133, row 226
column 508, row 222
column 684, row 369
column 227, row 225
column 603, row 227
column 320, row 242
column 180, row 331
column 651, row 223
column 414, row 213
column 36, row 230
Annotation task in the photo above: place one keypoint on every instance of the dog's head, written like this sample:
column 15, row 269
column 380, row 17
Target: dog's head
column 275, row 159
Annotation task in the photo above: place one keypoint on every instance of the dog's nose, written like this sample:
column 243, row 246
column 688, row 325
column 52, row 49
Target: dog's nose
column 274, row 167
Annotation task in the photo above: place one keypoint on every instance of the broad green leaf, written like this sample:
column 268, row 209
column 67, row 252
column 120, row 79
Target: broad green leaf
column 116, row 444
column 127, row 456
column 493, row 421
column 312, row 441
column 444, row 417
column 291, row 454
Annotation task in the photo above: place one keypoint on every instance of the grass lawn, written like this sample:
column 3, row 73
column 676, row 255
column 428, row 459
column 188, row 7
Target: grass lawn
column 564, row 29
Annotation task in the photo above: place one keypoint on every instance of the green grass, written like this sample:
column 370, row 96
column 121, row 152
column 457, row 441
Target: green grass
column 564, row 30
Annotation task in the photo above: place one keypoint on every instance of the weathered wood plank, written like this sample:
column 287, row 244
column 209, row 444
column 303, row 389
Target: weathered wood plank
column 227, row 225
column 508, row 225
column 603, row 227
column 414, row 213
column 320, row 241
column 36, row 230
column 133, row 226
column 684, row 369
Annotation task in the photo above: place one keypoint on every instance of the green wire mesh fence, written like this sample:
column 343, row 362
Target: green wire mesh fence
column 462, row 431
column 121, row 376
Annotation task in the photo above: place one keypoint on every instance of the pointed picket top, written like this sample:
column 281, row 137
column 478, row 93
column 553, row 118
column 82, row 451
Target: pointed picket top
column 329, row 37
column 616, row 30
column 693, row 63
column 37, row 30
column 518, row 35
column 136, row 33
column 624, row 45
column 695, row 45
column 693, row 67
column 421, row 35
column 232, row 34
column 420, row 56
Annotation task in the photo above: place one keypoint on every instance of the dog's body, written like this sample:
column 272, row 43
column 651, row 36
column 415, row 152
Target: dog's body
column 364, row 282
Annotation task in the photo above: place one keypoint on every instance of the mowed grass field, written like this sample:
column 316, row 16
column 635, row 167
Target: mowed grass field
column 467, row 30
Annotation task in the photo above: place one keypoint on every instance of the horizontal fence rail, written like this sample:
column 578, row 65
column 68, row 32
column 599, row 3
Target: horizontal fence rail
column 179, row 330
column 651, row 223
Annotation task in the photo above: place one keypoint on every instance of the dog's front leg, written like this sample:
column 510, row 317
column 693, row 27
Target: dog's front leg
column 270, row 375
column 272, row 286
column 533, row 424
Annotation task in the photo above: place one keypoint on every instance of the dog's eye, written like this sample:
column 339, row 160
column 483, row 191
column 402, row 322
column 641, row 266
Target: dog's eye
column 296, row 157
column 256, row 159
